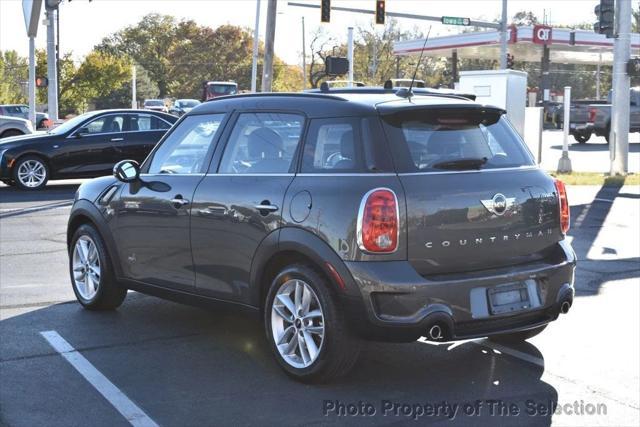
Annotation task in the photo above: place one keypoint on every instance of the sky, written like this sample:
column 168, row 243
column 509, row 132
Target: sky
column 83, row 24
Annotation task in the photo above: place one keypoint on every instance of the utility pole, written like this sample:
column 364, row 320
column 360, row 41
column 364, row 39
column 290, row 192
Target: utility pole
column 58, row 52
column 503, row 36
column 32, row 80
column 134, row 88
column 350, row 54
column 52, row 74
column 256, row 36
column 304, row 58
column 270, row 35
column 598, row 76
column 619, row 135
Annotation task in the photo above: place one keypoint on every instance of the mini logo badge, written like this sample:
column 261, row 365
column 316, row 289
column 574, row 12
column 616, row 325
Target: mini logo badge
column 499, row 204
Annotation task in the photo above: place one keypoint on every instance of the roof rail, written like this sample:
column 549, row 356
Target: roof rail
column 400, row 91
column 277, row 94
column 326, row 86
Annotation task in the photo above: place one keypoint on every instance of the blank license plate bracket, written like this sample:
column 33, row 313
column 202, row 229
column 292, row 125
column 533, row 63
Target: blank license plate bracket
column 508, row 298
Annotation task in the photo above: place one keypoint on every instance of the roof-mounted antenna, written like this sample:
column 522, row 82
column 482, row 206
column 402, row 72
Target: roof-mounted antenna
column 409, row 93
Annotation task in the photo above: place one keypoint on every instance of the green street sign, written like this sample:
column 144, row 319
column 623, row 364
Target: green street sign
column 454, row 20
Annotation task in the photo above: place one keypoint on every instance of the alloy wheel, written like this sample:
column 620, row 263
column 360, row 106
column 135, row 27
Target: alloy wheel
column 86, row 267
column 297, row 323
column 32, row 173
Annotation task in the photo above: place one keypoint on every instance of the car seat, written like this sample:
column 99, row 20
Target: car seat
column 265, row 148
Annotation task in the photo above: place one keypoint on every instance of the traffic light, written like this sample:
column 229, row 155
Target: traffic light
column 325, row 11
column 633, row 67
column 605, row 12
column 510, row 60
column 336, row 66
column 380, row 12
column 42, row 82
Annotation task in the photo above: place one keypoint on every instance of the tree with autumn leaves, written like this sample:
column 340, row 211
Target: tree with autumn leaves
column 180, row 55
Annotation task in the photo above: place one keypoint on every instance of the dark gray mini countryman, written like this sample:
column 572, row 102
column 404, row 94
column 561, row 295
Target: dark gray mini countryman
column 341, row 216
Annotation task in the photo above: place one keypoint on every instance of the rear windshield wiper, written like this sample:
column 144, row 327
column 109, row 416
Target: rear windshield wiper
column 461, row 164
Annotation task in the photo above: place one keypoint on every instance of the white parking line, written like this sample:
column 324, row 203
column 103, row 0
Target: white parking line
column 497, row 348
column 106, row 388
column 511, row 352
column 35, row 208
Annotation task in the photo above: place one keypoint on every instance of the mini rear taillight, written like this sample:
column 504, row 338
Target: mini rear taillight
column 378, row 221
column 563, row 204
column 592, row 115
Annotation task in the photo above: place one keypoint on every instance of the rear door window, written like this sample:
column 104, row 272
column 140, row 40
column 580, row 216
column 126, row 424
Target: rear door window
column 436, row 139
column 333, row 146
column 146, row 122
column 262, row 143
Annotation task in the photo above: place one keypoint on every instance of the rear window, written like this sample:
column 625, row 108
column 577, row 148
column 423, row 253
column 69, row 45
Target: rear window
column 435, row 139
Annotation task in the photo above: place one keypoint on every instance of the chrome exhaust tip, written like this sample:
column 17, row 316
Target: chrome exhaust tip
column 435, row 332
column 564, row 307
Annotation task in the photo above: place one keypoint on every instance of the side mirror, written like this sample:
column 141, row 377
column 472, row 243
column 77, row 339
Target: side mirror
column 82, row 132
column 127, row 171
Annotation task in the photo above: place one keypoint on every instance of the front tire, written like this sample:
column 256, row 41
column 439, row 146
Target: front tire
column 305, row 327
column 30, row 173
column 91, row 271
column 517, row 337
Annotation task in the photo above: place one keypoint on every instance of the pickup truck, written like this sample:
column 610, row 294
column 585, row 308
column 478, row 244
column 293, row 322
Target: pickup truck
column 600, row 115
column 579, row 114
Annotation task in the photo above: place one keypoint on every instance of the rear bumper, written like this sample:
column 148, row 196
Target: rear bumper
column 582, row 128
column 400, row 305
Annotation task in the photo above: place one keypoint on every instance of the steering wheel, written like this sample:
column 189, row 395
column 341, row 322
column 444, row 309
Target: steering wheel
column 333, row 159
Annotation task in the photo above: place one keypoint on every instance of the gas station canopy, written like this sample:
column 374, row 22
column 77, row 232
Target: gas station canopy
column 583, row 47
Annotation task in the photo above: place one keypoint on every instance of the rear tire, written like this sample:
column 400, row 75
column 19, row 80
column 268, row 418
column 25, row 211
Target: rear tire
column 92, row 276
column 517, row 337
column 582, row 138
column 330, row 355
column 11, row 132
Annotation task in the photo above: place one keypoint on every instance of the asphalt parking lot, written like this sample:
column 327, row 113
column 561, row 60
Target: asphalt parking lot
column 184, row 366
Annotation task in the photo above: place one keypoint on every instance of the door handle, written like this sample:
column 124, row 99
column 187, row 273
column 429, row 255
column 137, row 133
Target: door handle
column 266, row 207
column 213, row 211
column 179, row 202
column 117, row 139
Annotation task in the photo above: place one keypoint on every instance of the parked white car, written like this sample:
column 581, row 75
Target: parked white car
column 14, row 126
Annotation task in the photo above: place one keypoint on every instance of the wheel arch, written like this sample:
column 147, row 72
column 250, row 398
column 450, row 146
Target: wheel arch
column 84, row 212
column 295, row 245
column 31, row 153
column 10, row 130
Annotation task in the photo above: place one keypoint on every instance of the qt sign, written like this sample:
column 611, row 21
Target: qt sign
column 542, row 34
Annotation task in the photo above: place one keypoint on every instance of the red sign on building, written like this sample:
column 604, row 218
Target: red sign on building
column 542, row 34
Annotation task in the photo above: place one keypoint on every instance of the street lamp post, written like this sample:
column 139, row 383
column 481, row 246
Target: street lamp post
column 256, row 35
column 350, row 54
column 503, row 36
column 304, row 58
column 564, row 164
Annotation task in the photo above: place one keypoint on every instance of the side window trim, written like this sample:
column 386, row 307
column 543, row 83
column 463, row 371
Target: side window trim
column 144, row 168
